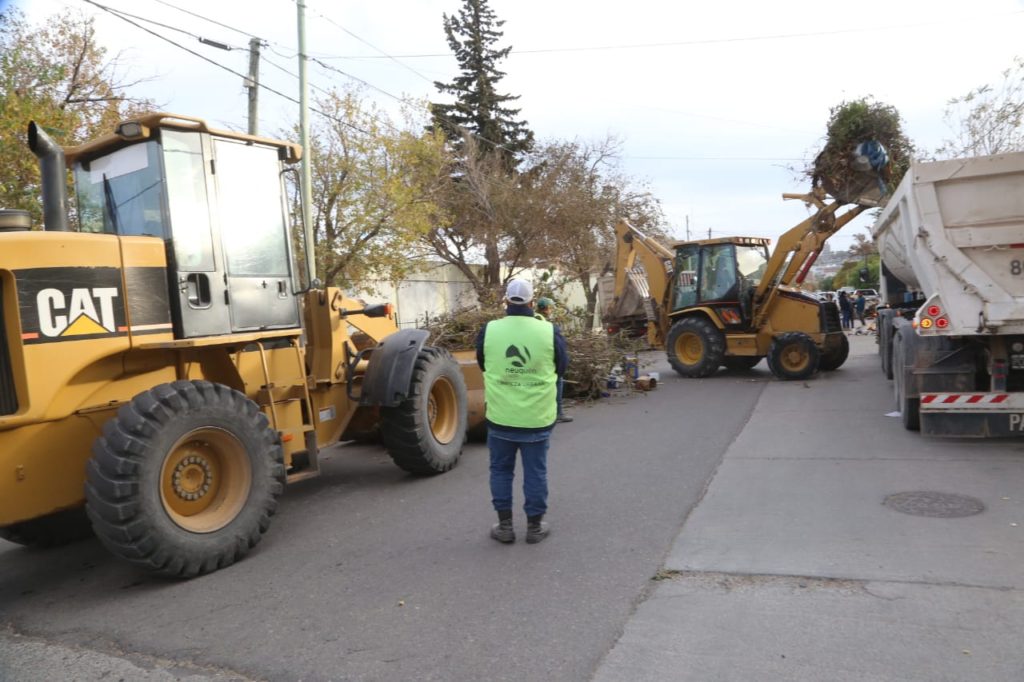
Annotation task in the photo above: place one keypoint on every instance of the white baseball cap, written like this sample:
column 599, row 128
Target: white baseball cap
column 519, row 291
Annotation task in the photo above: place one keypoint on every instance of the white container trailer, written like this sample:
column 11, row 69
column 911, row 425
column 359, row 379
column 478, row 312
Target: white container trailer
column 951, row 240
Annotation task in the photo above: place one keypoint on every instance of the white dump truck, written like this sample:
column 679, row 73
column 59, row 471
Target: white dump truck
column 951, row 324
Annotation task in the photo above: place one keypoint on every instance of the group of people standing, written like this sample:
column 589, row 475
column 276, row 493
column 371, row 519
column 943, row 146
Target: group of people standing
column 847, row 308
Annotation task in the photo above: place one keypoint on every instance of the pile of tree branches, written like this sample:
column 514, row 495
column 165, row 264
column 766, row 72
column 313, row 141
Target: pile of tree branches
column 853, row 123
column 592, row 354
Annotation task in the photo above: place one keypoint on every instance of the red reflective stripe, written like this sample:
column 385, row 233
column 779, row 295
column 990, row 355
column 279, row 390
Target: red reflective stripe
column 950, row 399
column 1000, row 398
column 975, row 398
column 927, row 398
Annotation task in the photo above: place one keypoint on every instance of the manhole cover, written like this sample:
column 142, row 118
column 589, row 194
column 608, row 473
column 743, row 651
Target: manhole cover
column 938, row 505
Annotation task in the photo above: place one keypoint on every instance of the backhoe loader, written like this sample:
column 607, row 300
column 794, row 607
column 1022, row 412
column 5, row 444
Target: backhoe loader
column 726, row 302
column 162, row 374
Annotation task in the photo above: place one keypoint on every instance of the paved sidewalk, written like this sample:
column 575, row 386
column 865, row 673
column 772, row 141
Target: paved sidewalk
column 792, row 567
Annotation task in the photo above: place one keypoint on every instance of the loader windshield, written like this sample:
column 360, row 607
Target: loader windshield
column 120, row 192
column 752, row 262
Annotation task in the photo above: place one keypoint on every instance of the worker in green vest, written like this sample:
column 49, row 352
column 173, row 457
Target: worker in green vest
column 522, row 358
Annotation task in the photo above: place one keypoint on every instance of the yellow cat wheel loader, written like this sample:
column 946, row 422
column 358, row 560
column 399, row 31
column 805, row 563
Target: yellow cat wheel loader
column 162, row 377
column 728, row 303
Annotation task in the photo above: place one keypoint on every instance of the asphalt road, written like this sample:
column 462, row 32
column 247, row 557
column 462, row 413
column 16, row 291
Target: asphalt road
column 368, row 573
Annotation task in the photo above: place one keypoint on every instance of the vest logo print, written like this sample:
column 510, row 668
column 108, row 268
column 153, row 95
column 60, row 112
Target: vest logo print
column 69, row 304
column 519, row 357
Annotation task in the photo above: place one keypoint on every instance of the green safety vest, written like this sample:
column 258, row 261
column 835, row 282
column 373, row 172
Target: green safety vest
column 520, row 383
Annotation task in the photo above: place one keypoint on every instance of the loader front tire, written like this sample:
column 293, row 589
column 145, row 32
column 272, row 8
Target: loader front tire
column 793, row 356
column 184, row 479
column 52, row 530
column 424, row 434
column 695, row 347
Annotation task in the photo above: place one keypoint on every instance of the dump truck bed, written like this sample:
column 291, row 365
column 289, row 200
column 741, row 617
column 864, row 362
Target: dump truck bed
column 955, row 231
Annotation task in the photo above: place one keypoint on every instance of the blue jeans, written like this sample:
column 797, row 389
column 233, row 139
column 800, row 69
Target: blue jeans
column 533, row 447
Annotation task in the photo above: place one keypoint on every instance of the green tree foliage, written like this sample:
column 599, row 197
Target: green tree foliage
column 57, row 75
column 479, row 107
column 377, row 188
column 851, row 123
column 849, row 274
column 988, row 119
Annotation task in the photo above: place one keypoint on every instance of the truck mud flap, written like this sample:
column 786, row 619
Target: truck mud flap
column 972, row 415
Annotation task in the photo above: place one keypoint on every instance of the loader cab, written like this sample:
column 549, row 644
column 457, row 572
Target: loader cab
column 720, row 273
column 218, row 202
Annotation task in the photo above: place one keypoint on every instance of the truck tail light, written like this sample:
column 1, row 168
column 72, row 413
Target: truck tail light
column 934, row 311
column 926, row 323
column 942, row 322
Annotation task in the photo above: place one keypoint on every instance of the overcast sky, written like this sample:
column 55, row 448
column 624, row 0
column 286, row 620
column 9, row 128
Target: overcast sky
column 712, row 101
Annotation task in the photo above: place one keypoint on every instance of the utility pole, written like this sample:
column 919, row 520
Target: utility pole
column 687, row 228
column 709, row 233
column 307, row 173
column 253, row 84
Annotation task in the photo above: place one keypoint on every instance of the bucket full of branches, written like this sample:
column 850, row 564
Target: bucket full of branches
column 865, row 155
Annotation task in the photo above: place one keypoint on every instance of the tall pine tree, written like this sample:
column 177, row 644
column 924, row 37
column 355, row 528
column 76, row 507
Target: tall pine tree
column 479, row 108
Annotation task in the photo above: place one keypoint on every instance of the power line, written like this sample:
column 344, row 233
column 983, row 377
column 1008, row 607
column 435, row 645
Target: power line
column 120, row 16
column 212, row 21
column 706, row 41
column 205, row 41
column 368, row 44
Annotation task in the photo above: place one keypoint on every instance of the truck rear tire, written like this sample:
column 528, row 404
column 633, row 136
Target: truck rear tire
column 52, row 530
column 695, row 347
column 793, row 356
column 184, row 479
column 425, row 433
column 902, row 352
column 833, row 358
column 885, row 330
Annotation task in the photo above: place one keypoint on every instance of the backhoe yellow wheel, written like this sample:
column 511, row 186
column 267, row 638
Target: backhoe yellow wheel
column 184, row 479
column 424, row 434
column 695, row 347
column 793, row 355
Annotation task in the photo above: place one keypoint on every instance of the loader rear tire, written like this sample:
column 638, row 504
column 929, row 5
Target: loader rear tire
column 833, row 358
column 793, row 356
column 184, row 479
column 695, row 347
column 52, row 530
column 424, row 434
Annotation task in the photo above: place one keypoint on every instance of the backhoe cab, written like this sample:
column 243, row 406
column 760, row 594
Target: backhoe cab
column 728, row 303
column 161, row 368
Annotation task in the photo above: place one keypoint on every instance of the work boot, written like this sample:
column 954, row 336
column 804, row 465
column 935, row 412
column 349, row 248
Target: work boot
column 563, row 418
column 502, row 531
column 536, row 529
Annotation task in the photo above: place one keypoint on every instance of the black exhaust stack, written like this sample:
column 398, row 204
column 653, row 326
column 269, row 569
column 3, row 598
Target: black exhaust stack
column 54, row 175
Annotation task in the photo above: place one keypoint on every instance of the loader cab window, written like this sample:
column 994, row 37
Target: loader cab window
column 687, row 262
column 187, row 201
column 121, row 192
column 718, row 272
column 752, row 261
column 252, row 214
